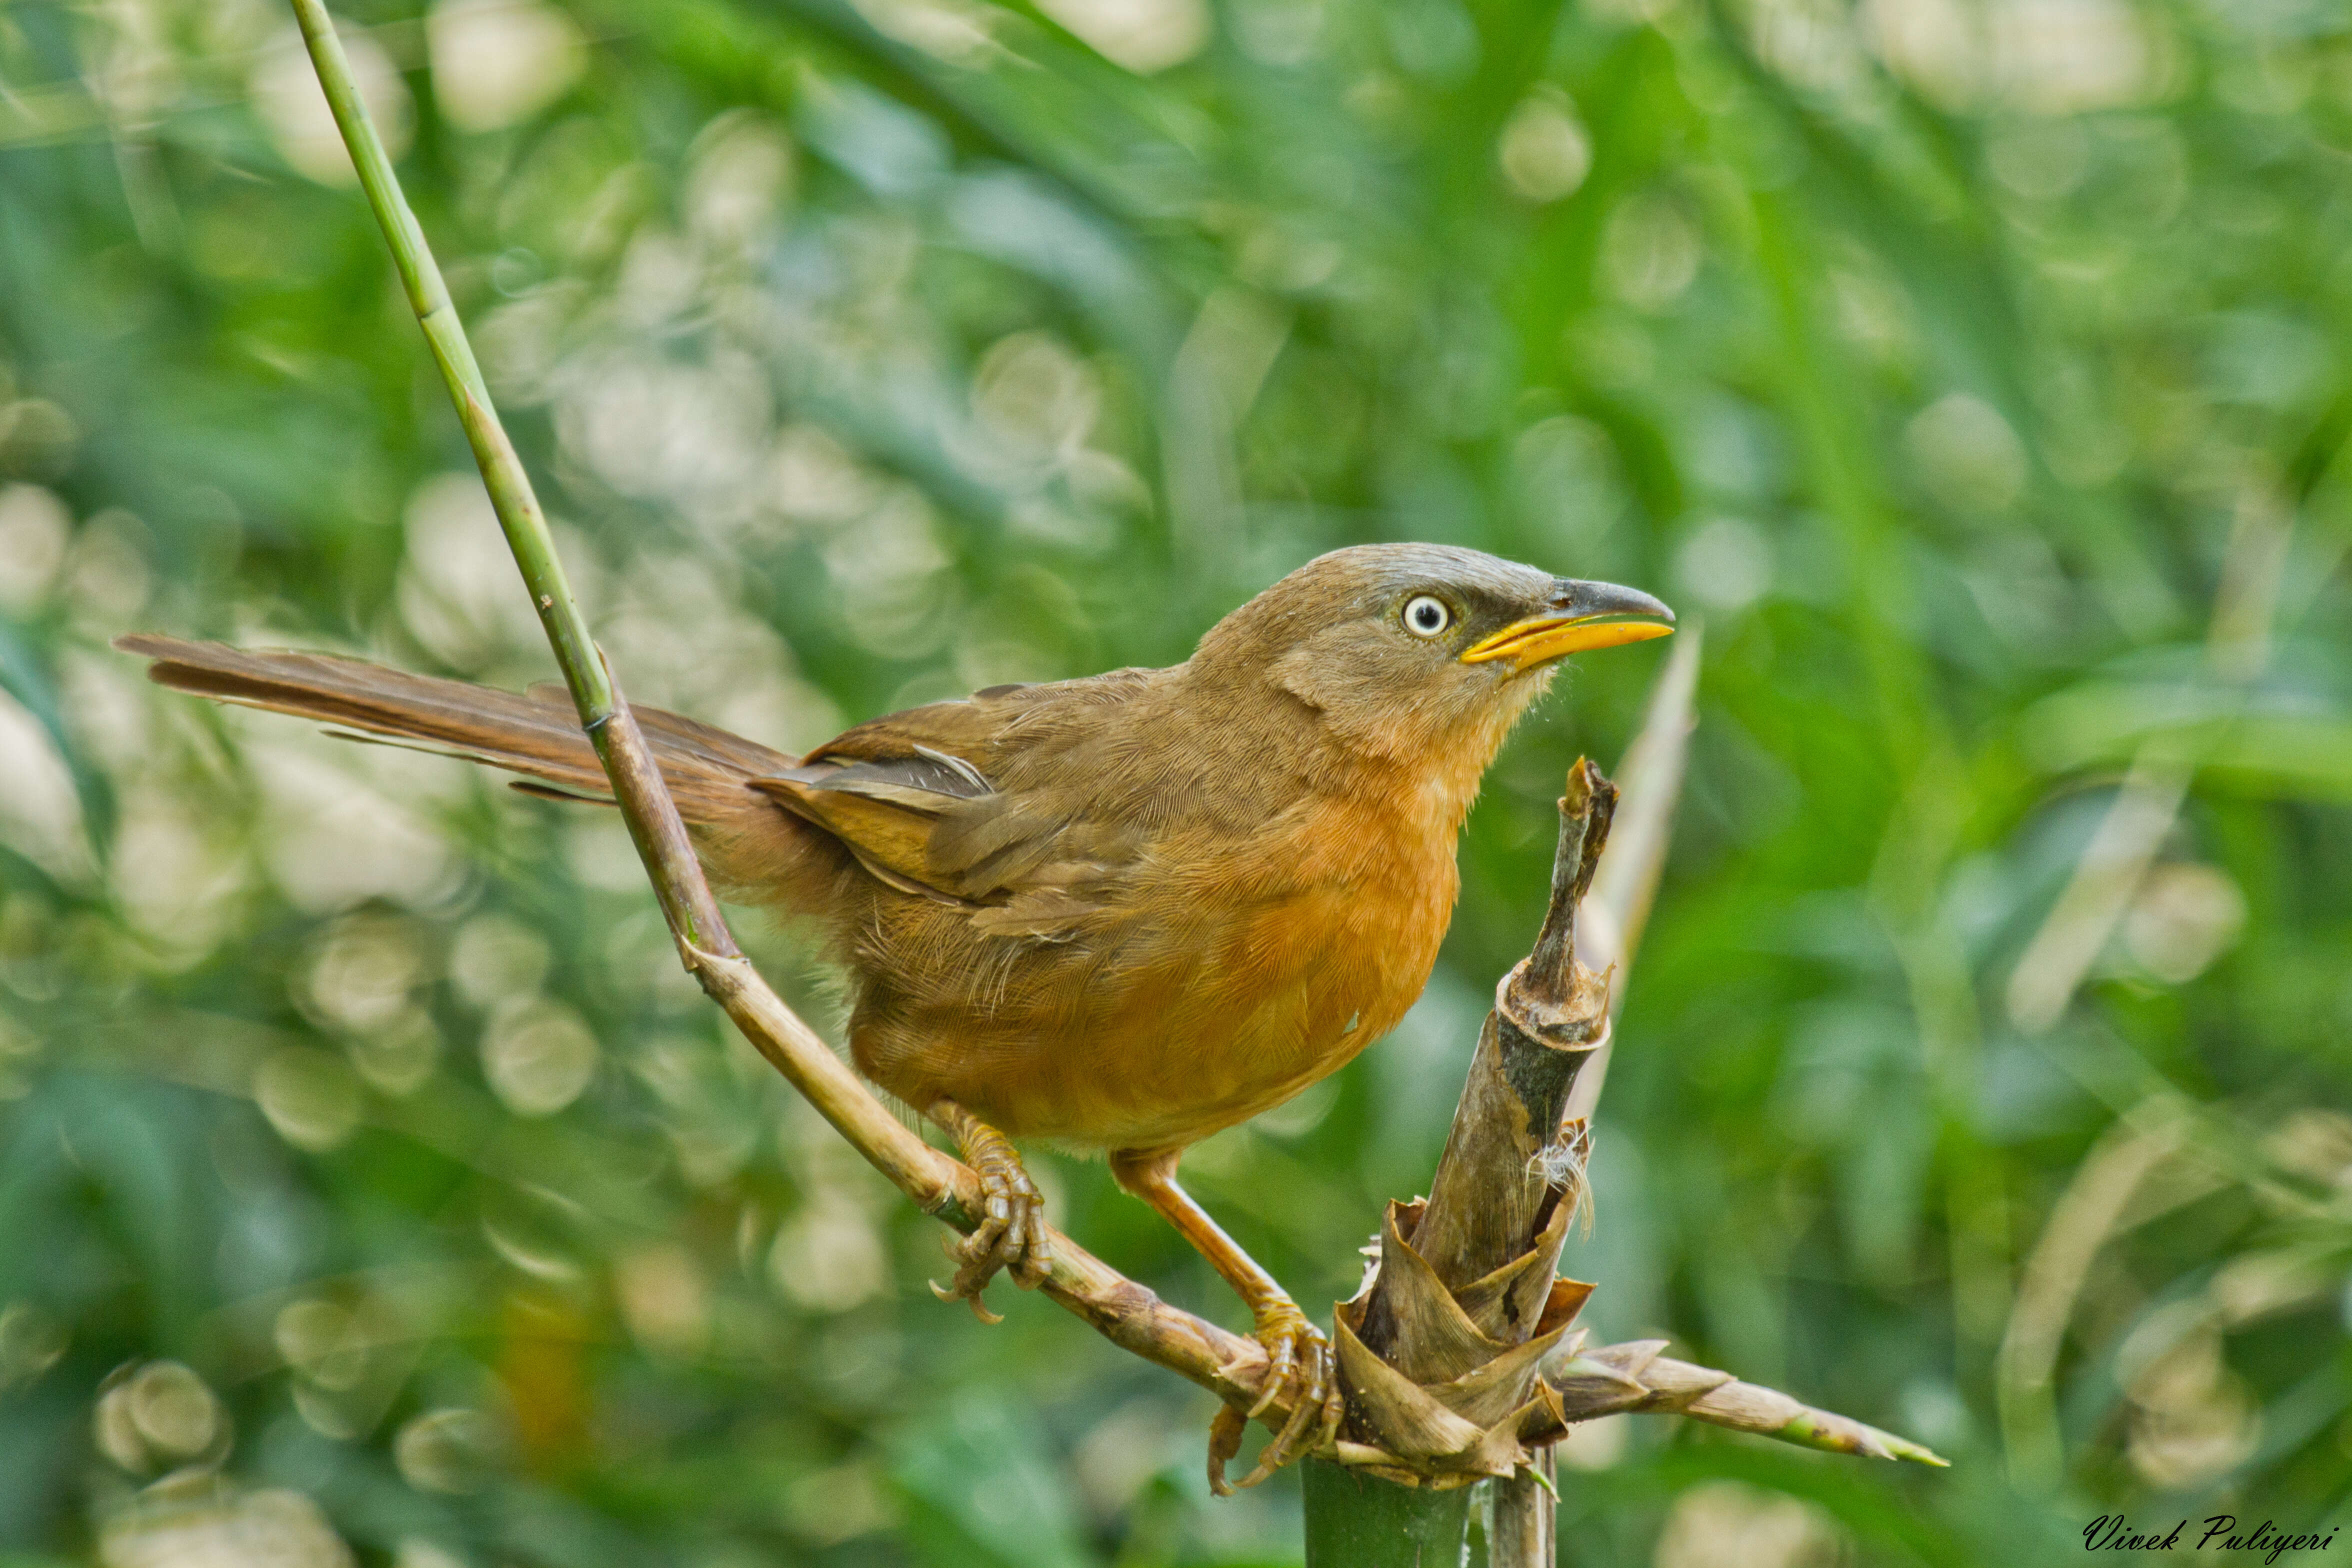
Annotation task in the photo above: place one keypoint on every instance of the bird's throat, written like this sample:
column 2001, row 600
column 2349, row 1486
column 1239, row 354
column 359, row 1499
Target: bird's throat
column 1434, row 777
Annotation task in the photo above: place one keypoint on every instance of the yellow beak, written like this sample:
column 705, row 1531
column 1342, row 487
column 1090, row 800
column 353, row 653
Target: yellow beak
column 1542, row 639
column 1585, row 616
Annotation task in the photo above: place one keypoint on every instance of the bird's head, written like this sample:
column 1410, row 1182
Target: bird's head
column 1426, row 650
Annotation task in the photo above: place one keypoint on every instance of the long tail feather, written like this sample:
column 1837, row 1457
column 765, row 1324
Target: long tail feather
column 536, row 734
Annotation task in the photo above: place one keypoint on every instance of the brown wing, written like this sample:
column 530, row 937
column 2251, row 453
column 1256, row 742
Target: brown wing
column 884, row 809
column 947, row 802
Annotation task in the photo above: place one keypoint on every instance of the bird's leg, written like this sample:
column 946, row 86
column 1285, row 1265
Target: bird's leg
column 1300, row 1371
column 1012, row 1234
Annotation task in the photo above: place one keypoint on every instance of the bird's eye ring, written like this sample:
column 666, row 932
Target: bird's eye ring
column 1426, row 616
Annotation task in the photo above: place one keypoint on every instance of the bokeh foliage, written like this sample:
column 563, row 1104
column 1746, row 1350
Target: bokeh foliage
column 1971, row 366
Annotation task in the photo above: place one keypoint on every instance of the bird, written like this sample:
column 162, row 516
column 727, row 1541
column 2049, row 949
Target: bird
column 1116, row 914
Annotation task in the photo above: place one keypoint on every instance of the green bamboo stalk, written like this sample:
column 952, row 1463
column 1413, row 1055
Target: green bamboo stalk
column 652, row 815
column 519, row 516
column 1356, row 1520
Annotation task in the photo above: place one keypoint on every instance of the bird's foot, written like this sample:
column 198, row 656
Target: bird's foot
column 1011, row 1233
column 1301, row 1373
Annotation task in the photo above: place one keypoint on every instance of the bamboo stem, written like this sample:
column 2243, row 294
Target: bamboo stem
column 1356, row 1520
column 1615, row 908
column 1126, row 1313
column 1522, row 1518
column 1495, row 1178
column 1512, row 1165
column 1512, row 1157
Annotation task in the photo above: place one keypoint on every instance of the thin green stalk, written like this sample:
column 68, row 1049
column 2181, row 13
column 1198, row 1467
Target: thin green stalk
column 654, row 823
column 519, row 516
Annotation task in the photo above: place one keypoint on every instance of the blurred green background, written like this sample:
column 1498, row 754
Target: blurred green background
column 374, row 1187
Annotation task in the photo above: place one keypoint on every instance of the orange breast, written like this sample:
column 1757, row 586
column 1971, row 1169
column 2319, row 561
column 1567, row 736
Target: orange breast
column 1251, row 972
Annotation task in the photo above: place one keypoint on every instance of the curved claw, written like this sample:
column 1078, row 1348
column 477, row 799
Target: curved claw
column 955, row 1293
column 1301, row 1373
column 1225, row 1441
column 1010, row 1236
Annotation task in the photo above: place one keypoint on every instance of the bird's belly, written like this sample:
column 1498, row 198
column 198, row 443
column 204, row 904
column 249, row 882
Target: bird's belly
column 1171, row 1034
column 1154, row 1087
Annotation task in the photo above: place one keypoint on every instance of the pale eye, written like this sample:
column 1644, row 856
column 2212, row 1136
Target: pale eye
column 1426, row 616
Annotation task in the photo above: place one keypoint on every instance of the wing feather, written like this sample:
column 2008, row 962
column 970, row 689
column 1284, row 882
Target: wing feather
column 914, row 797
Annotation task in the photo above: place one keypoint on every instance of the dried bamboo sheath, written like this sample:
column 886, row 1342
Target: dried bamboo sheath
column 1442, row 1349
